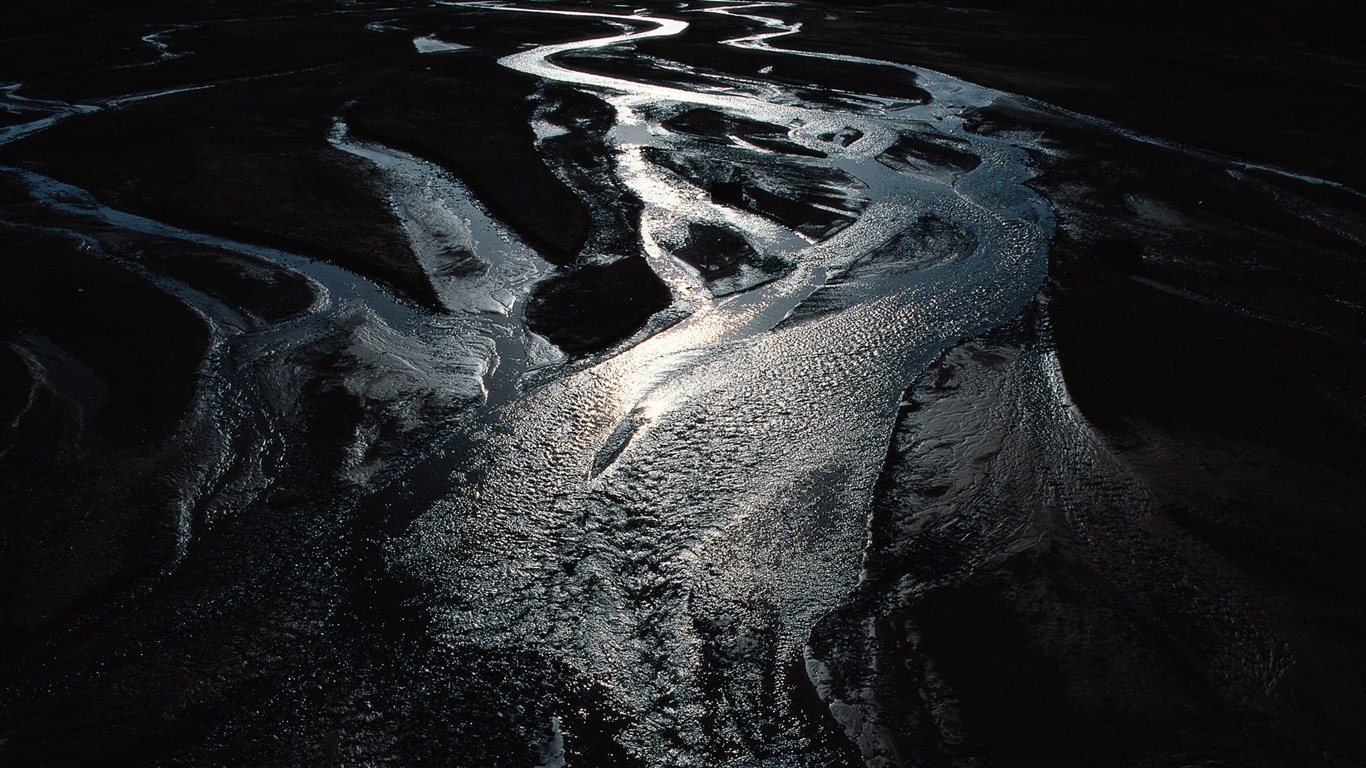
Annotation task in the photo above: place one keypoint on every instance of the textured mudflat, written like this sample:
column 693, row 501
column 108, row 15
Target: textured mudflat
column 597, row 385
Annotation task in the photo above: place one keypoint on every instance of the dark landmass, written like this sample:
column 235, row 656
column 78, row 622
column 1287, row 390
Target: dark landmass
column 1204, row 602
column 581, row 158
column 261, row 290
column 721, row 129
column 1168, row 574
column 473, row 117
column 1311, row 24
column 815, row 199
column 103, row 362
column 1274, row 83
column 1209, row 329
column 90, row 408
column 148, row 387
column 595, row 306
column 248, row 157
column 213, row 162
column 716, row 251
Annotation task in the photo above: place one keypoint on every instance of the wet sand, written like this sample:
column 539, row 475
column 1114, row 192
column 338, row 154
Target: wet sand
column 1122, row 529
column 1203, row 327
column 1266, row 91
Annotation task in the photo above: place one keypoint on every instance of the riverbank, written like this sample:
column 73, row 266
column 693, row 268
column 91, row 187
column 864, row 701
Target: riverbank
column 267, row 501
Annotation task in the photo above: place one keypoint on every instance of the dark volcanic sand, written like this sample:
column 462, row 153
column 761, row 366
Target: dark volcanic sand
column 1258, row 87
column 593, row 307
column 1208, row 604
column 1169, row 575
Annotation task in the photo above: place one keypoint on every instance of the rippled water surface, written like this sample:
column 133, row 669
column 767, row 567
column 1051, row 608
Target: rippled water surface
column 673, row 518
column 405, row 519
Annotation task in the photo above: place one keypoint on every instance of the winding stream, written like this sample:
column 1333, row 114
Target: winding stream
column 669, row 518
column 707, row 488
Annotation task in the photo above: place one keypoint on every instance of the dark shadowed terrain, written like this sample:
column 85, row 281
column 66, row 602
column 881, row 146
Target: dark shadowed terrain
column 686, row 384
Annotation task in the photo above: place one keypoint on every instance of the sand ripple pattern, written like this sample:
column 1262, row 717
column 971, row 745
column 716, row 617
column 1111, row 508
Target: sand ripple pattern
column 673, row 519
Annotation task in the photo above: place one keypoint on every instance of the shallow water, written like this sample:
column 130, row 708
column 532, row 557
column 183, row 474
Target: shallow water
column 833, row 505
column 703, row 495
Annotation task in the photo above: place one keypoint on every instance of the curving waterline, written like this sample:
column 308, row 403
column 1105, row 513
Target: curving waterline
column 719, row 473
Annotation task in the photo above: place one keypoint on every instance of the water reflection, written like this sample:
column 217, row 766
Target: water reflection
column 691, row 503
